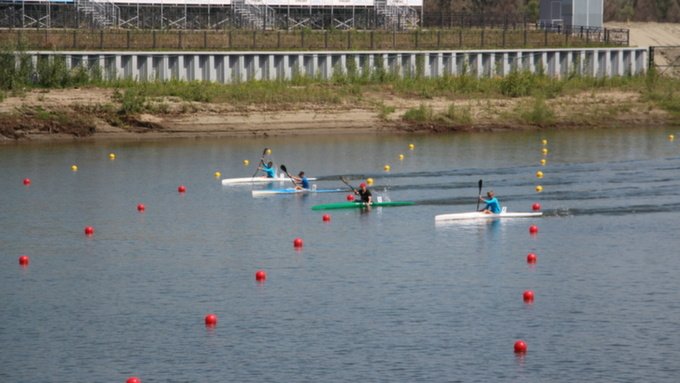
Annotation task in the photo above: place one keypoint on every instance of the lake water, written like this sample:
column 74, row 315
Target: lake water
column 383, row 295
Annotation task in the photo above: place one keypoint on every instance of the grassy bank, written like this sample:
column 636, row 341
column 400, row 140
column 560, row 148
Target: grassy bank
column 455, row 102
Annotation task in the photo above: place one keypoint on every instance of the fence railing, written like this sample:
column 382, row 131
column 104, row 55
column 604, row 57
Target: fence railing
column 111, row 39
column 514, row 21
column 475, row 20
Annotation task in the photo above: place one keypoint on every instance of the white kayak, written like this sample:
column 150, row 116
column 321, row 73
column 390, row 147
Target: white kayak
column 264, row 193
column 480, row 215
column 258, row 180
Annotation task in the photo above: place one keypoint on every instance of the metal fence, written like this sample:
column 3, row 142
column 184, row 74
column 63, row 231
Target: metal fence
column 666, row 59
column 521, row 21
column 111, row 39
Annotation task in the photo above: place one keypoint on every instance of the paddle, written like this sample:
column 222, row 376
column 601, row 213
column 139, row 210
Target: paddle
column 480, row 194
column 353, row 189
column 264, row 153
column 347, row 183
column 283, row 167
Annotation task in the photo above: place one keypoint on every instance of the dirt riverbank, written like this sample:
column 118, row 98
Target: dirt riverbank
column 94, row 113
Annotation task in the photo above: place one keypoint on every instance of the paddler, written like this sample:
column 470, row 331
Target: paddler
column 301, row 181
column 492, row 204
column 364, row 193
column 269, row 169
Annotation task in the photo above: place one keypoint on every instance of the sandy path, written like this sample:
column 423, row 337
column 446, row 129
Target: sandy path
column 650, row 34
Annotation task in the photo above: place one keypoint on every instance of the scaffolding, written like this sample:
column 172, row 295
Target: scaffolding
column 397, row 15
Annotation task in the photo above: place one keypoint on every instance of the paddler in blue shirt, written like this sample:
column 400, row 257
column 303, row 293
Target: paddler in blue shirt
column 492, row 204
column 269, row 169
column 301, row 181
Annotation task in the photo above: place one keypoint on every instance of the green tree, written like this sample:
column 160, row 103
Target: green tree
column 627, row 12
column 532, row 9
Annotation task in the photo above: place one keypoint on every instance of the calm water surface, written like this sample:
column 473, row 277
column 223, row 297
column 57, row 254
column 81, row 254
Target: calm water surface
column 383, row 295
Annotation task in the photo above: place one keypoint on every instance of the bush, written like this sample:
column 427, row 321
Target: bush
column 518, row 84
column 539, row 113
column 132, row 101
column 454, row 116
column 421, row 114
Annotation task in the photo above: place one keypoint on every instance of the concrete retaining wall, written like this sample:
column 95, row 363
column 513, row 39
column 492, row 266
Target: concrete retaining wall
column 231, row 67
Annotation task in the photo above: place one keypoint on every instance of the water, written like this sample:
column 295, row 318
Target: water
column 383, row 295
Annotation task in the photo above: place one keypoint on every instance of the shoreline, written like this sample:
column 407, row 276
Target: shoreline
column 76, row 114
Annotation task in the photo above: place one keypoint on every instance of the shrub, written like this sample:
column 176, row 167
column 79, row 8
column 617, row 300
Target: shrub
column 421, row 114
column 518, row 84
column 539, row 113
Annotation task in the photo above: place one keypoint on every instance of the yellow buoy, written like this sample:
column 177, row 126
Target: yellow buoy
column 218, row 174
column 671, row 137
column 545, row 151
column 539, row 189
column 112, row 156
column 74, row 168
column 246, row 162
column 539, row 174
column 387, row 168
column 369, row 181
column 401, row 157
column 269, row 152
column 411, row 146
column 544, row 142
column 543, row 161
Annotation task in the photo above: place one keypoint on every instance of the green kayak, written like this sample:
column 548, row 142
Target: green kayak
column 355, row 205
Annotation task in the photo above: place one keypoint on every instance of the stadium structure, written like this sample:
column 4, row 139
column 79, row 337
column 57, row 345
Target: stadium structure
column 212, row 14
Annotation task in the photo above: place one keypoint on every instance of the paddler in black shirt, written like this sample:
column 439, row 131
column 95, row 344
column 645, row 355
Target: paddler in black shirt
column 364, row 193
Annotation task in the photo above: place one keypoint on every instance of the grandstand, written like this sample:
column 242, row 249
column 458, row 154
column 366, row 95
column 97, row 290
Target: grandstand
column 212, row 14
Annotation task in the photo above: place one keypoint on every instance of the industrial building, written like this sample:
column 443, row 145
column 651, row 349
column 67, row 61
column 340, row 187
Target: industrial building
column 572, row 14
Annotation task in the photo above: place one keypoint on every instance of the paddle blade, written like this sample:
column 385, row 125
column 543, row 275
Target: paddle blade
column 283, row 167
column 480, row 194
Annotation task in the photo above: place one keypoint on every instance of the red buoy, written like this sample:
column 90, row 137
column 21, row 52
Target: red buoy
column 326, row 217
column 350, row 197
column 520, row 347
column 133, row 379
column 532, row 258
column 260, row 275
column 141, row 207
column 181, row 188
column 27, row 181
column 298, row 242
column 533, row 229
column 89, row 230
column 24, row 260
column 528, row 296
column 211, row 320
column 536, row 206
